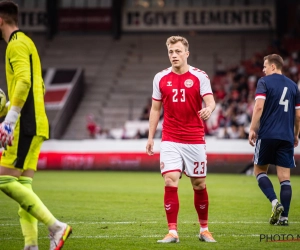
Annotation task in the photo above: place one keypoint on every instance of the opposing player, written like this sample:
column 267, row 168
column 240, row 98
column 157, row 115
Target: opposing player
column 181, row 89
column 23, row 131
column 274, row 131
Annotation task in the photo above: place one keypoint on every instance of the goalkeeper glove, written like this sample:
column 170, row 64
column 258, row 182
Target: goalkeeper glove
column 6, row 135
column 7, row 127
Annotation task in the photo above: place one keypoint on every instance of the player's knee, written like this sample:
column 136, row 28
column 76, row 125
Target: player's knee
column 170, row 182
column 171, row 179
column 198, row 183
column 199, row 186
column 283, row 175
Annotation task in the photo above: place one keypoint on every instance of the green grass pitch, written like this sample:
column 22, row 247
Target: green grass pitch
column 124, row 210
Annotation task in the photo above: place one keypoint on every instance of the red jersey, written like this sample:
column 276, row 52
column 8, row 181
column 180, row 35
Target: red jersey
column 181, row 96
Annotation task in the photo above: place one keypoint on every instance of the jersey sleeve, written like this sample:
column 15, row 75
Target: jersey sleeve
column 261, row 90
column 156, row 95
column 205, row 87
column 19, row 60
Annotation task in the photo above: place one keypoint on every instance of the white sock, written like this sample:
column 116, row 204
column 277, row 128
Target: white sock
column 32, row 247
column 202, row 229
column 174, row 232
column 56, row 226
column 283, row 218
column 274, row 202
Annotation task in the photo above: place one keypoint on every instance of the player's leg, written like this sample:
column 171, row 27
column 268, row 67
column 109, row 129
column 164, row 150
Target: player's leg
column 285, row 194
column 171, row 168
column 285, row 161
column 265, row 154
column 30, row 202
column 29, row 224
column 264, row 182
column 196, row 167
column 58, row 231
column 201, row 204
column 26, row 150
column 267, row 188
column 171, row 204
column 27, row 221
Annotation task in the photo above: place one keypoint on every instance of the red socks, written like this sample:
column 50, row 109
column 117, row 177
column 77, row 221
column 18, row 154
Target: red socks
column 171, row 203
column 201, row 205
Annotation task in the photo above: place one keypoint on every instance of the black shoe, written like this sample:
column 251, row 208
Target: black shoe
column 282, row 223
column 276, row 212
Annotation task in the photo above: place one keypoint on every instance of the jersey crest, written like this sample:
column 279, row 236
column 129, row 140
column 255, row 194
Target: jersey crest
column 188, row 83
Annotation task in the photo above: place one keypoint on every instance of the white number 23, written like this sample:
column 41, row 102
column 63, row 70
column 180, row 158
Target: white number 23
column 175, row 95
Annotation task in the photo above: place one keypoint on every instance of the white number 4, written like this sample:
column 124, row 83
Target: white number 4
column 284, row 102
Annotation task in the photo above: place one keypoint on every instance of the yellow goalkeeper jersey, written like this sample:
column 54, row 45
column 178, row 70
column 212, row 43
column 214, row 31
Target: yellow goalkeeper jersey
column 25, row 84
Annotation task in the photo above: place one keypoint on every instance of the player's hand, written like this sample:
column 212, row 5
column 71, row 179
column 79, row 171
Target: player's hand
column 252, row 137
column 6, row 134
column 296, row 141
column 205, row 113
column 149, row 147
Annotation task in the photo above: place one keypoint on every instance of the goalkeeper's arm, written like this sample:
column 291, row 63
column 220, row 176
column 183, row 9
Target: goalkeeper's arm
column 14, row 108
column 17, row 102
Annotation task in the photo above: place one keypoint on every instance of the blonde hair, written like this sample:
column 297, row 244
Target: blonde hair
column 176, row 39
column 275, row 59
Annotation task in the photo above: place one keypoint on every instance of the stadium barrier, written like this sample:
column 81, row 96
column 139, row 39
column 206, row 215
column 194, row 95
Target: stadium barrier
column 224, row 156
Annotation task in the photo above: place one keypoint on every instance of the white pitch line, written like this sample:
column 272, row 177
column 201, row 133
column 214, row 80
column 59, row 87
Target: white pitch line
column 134, row 236
column 180, row 222
column 154, row 222
column 159, row 236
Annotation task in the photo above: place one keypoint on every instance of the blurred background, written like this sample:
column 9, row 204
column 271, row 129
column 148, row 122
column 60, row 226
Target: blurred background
column 99, row 58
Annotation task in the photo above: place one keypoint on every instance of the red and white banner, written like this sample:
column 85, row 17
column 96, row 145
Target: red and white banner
column 218, row 163
column 223, row 156
column 94, row 161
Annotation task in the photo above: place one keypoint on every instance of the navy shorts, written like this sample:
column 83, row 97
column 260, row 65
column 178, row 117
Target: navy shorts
column 274, row 151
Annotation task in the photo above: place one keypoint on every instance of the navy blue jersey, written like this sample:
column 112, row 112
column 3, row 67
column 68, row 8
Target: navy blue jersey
column 282, row 97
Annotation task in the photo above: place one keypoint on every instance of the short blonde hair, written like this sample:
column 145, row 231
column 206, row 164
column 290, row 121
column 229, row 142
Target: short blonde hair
column 275, row 59
column 176, row 39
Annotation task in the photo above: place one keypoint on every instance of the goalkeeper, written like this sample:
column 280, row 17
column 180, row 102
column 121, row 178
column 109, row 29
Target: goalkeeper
column 23, row 131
